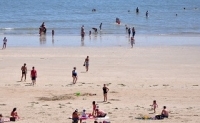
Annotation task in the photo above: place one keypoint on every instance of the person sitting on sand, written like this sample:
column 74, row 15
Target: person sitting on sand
column 99, row 113
column 14, row 114
column 1, row 118
column 75, row 116
column 154, row 106
column 164, row 112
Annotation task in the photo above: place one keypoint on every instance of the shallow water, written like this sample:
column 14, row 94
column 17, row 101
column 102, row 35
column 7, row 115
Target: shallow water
column 67, row 16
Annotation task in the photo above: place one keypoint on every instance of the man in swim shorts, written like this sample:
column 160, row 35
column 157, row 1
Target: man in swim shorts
column 24, row 71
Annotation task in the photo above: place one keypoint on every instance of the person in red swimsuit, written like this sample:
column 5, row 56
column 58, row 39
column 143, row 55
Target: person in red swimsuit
column 33, row 75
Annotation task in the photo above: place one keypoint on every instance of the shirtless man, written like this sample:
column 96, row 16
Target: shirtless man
column 164, row 112
column 33, row 75
column 75, row 116
column 99, row 113
column 24, row 71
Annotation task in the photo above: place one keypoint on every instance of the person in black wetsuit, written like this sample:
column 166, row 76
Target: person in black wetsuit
column 105, row 91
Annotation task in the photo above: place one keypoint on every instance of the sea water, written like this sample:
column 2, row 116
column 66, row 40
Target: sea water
column 23, row 17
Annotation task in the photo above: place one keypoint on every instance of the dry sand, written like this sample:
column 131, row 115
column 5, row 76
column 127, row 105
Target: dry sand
column 135, row 77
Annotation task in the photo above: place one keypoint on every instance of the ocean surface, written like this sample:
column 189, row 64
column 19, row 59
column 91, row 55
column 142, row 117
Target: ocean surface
column 23, row 17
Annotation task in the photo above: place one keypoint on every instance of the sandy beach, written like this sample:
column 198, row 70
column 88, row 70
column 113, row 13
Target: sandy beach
column 135, row 76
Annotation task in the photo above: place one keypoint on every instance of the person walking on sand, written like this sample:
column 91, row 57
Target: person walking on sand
column 33, row 76
column 86, row 63
column 4, row 43
column 74, row 75
column 24, row 71
column 105, row 91
column 132, row 41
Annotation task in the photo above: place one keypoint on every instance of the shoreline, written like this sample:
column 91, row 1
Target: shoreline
column 101, row 41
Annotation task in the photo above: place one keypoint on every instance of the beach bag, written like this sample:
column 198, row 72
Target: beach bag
column 159, row 117
column 12, row 118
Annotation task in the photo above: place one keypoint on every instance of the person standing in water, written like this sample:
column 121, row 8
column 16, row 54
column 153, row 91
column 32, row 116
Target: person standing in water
column 133, row 31
column 82, row 31
column 132, row 41
column 100, row 26
column 137, row 10
column 33, row 75
column 105, row 91
column 86, row 63
column 147, row 13
column 24, row 71
column 4, row 43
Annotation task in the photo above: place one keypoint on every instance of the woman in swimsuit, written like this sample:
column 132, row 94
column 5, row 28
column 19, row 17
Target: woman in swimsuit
column 14, row 114
column 74, row 75
column 86, row 63
column 105, row 91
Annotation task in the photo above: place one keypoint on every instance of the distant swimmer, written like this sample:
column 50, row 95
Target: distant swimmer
column 117, row 21
column 4, row 43
column 137, row 10
column 128, row 10
column 176, row 14
column 94, row 10
column 147, row 14
column 100, row 26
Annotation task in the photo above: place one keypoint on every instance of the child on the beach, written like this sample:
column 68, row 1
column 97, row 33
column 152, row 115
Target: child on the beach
column 154, row 106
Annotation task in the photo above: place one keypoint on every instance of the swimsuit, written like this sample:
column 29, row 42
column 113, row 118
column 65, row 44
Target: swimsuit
column 74, row 73
column 104, row 90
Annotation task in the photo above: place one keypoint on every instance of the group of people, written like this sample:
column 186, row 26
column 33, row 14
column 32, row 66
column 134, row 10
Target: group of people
column 163, row 114
column 128, row 30
column 96, row 113
column 33, row 74
column 13, row 116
